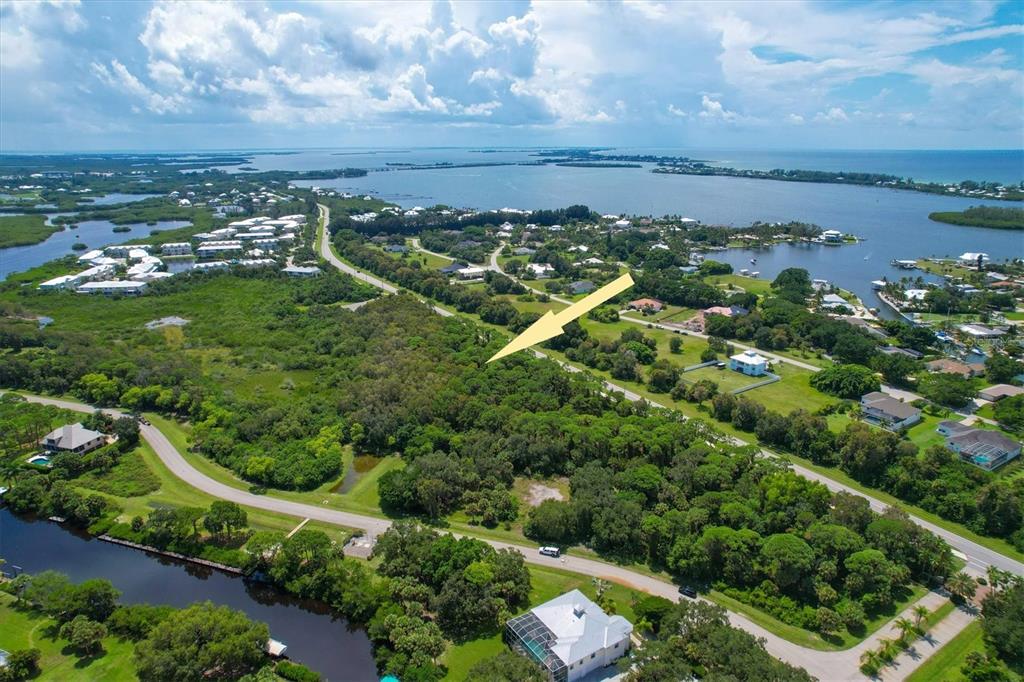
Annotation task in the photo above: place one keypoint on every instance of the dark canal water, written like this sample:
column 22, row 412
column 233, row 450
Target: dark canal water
column 314, row 636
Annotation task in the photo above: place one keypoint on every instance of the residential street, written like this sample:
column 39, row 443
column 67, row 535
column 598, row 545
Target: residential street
column 825, row 665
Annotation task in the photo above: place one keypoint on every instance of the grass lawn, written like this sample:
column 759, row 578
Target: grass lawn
column 944, row 665
column 362, row 498
column 22, row 629
column 545, row 584
column 736, row 283
column 727, row 379
column 429, row 260
column 813, row 640
column 924, row 435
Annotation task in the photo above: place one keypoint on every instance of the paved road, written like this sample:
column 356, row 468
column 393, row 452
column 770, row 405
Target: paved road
column 826, row 666
column 978, row 557
column 327, row 252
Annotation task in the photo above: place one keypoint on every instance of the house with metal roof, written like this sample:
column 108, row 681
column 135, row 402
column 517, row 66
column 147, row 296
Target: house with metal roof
column 569, row 636
column 73, row 438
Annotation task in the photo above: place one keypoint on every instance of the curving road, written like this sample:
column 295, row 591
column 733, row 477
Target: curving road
column 825, row 665
column 978, row 557
column 831, row 665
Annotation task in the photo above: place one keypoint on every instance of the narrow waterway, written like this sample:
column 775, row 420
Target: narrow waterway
column 315, row 637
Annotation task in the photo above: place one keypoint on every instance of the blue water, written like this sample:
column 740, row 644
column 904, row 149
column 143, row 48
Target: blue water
column 93, row 233
column 999, row 165
column 894, row 223
column 115, row 198
column 928, row 166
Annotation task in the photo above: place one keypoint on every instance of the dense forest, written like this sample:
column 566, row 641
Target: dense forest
column 998, row 217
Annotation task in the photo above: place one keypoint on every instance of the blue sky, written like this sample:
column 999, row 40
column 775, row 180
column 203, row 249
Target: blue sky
column 156, row 75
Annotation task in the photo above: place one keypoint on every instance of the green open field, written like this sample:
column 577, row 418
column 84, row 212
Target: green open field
column 22, row 230
column 727, row 379
column 736, row 283
column 945, row 664
column 23, row 628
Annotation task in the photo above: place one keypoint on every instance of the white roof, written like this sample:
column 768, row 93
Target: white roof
column 470, row 271
column 749, row 357
column 580, row 626
column 90, row 255
column 115, row 284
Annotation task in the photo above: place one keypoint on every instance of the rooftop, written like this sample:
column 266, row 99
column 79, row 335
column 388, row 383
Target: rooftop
column 71, row 436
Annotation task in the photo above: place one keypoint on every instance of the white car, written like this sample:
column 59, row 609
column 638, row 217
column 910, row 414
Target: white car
column 551, row 551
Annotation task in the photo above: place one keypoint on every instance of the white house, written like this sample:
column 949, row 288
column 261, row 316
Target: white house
column 113, row 287
column 832, row 236
column 176, row 249
column 569, row 636
column 540, row 270
column 972, row 258
column 72, row 438
column 470, row 273
column 300, row 271
column 888, row 412
column 833, row 301
column 750, row 363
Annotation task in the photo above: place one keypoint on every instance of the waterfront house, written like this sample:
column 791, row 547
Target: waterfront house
column 951, row 366
column 972, row 259
column 834, row 301
column 176, row 249
column 980, row 331
column 750, row 363
column 73, row 438
column 832, row 236
column 985, row 448
column 582, row 287
column 569, row 636
column 999, row 391
column 888, row 412
column 645, row 304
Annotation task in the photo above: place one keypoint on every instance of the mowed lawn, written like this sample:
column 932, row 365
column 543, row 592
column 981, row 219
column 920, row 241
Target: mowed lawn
column 22, row 629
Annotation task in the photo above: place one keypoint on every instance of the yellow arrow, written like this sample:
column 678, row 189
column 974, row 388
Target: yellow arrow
column 550, row 325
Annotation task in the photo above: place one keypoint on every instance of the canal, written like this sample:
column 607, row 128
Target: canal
column 315, row 637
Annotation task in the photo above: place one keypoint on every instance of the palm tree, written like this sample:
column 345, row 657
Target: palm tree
column 961, row 585
column 600, row 586
column 870, row 662
column 906, row 628
column 920, row 612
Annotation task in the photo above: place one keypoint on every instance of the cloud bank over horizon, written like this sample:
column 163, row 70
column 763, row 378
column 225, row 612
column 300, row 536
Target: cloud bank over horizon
column 205, row 75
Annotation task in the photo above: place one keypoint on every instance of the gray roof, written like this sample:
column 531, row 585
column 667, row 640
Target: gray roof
column 1000, row 391
column 582, row 286
column 580, row 626
column 888, row 405
column 983, row 440
column 71, row 436
column 953, row 427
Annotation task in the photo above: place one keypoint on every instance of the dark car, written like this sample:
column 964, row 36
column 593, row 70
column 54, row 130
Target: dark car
column 688, row 591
